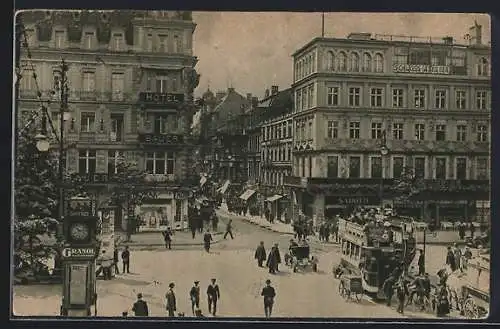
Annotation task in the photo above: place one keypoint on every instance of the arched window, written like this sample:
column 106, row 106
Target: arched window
column 367, row 62
column 354, row 62
column 379, row 63
column 330, row 61
column 482, row 67
column 342, row 61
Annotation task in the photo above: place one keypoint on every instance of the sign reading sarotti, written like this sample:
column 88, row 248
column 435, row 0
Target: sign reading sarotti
column 420, row 69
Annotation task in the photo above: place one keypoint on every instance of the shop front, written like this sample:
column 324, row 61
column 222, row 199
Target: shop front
column 169, row 209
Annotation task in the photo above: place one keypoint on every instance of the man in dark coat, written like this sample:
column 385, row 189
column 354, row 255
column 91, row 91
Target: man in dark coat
column 207, row 238
column 140, row 307
column 461, row 231
column 450, row 260
column 472, row 230
column 213, row 294
column 421, row 263
column 194, row 295
column 260, row 254
column 167, row 237
column 268, row 293
column 388, row 288
column 115, row 260
column 170, row 300
column 274, row 259
column 401, row 293
column 229, row 229
column 327, row 233
column 126, row 260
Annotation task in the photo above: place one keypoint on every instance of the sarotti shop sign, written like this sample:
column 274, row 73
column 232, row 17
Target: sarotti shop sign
column 421, row 69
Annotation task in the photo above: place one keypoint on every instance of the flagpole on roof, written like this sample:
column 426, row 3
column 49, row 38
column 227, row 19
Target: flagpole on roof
column 322, row 24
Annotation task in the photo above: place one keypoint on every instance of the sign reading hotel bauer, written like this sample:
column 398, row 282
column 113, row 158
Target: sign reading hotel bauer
column 160, row 98
column 420, row 69
column 161, row 139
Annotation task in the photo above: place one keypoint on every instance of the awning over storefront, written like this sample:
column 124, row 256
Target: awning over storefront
column 224, row 187
column 247, row 194
column 274, row 198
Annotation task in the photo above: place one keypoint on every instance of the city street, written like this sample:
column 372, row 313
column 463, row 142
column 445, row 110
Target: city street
column 231, row 262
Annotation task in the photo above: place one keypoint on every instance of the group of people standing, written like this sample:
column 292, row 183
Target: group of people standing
column 457, row 259
column 273, row 258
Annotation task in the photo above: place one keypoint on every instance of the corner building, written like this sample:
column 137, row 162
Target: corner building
column 426, row 100
column 131, row 79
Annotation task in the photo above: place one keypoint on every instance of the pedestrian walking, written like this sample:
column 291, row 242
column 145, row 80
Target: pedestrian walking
column 274, row 259
column 194, row 295
column 140, row 307
column 268, row 293
column 170, row 300
column 443, row 304
column 461, row 231
column 115, row 260
column 167, row 237
column 401, row 293
column 327, row 233
column 458, row 257
column 207, row 239
column 421, row 263
column 229, row 229
column 450, row 260
column 213, row 295
column 260, row 254
column 126, row 260
column 388, row 288
column 467, row 257
column 322, row 232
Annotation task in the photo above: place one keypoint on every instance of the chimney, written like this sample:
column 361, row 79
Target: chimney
column 476, row 35
column 274, row 90
column 230, row 90
column 255, row 101
column 249, row 97
column 266, row 93
column 219, row 96
column 448, row 40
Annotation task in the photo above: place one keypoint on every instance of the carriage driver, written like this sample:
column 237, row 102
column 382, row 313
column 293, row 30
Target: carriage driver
column 289, row 254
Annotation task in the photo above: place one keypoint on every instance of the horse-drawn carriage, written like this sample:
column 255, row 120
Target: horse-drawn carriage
column 300, row 258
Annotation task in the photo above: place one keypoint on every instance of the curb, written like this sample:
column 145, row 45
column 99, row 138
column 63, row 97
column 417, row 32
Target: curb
column 257, row 224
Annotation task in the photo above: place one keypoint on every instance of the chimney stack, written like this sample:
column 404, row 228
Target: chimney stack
column 266, row 93
column 249, row 97
column 255, row 101
column 274, row 90
column 476, row 35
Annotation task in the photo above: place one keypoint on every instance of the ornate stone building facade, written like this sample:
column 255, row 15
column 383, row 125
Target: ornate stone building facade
column 427, row 102
column 131, row 80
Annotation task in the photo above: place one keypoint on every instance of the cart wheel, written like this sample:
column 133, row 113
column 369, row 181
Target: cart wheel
column 470, row 309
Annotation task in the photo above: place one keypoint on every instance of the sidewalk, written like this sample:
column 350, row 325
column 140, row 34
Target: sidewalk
column 155, row 239
column 277, row 226
column 439, row 238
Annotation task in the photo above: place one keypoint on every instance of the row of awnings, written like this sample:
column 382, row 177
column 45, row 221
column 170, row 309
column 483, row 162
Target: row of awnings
column 248, row 193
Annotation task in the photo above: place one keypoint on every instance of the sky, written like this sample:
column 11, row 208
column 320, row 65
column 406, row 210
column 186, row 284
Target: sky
column 251, row 51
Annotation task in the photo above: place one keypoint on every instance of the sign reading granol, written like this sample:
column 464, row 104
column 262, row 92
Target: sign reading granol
column 160, row 98
column 420, row 69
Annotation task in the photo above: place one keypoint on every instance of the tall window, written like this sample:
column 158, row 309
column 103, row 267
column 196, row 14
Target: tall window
column 354, row 129
column 461, row 99
column 117, row 41
column 397, row 97
column 86, row 162
column 333, row 129
column 162, row 83
column 162, row 43
column 160, row 163
column 376, row 97
column 89, row 81
column 354, row 62
column 376, row 130
column 310, row 100
column 149, row 42
column 60, row 37
column 161, row 124
column 117, row 86
column 333, row 96
column 177, row 44
column 87, row 122
column 461, row 168
column 419, row 98
column 116, row 127
column 440, row 101
column 461, row 133
column 482, row 168
column 354, row 96
column 333, row 166
column 28, row 81
column 440, row 132
column 482, row 133
column 419, row 131
column 330, row 61
column 483, row 67
column 114, row 160
column 376, row 167
column 400, row 55
column 440, row 168
column 419, row 167
column 354, row 167
column 481, row 100
column 289, row 128
column 342, row 61
column 367, row 62
column 397, row 131
column 379, row 63
column 397, row 166
column 89, row 40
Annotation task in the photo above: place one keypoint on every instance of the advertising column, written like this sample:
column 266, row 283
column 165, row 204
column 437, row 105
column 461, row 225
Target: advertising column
column 107, row 248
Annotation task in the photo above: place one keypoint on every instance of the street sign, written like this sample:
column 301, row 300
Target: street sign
column 78, row 252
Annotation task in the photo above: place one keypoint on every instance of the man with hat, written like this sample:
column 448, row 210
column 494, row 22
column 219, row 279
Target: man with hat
column 213, row 295
column 194, row 294
column 260, row 254
column 268, row 293
column 140, row 307
column 170, row 297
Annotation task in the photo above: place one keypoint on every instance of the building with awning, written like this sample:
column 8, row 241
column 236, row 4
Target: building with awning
column 274, row 198
column 247, row 194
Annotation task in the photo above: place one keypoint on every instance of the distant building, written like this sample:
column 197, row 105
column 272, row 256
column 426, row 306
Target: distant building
column 427, row 102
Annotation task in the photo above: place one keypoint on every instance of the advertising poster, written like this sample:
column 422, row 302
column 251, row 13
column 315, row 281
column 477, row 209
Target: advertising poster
column 78, row 284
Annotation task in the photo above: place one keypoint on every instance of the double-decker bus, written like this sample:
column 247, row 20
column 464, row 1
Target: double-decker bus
column 374, row 251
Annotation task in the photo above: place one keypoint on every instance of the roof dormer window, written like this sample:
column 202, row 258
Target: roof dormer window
column 117, row 41
column 59, row 38
column 89, row 40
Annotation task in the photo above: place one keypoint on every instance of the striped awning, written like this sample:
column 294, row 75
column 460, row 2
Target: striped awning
column 247, row 194
column 274, row 198
column 224, row 187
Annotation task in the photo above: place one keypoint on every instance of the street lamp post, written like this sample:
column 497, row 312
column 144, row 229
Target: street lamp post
column 384, row 150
